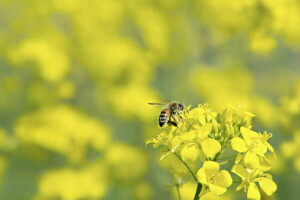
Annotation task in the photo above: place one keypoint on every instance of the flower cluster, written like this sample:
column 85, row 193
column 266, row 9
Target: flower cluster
column 217, row 140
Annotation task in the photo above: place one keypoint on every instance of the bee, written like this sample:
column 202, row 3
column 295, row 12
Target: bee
column 171, row 111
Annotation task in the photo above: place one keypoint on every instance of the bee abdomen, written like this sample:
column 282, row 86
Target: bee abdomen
column 163, row 117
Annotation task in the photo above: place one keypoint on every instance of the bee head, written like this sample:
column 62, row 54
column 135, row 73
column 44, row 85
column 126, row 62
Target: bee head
column 180, row 106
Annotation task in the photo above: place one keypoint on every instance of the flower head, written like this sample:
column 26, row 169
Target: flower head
column 253, row 147
column 250, row 177
column 210, row 175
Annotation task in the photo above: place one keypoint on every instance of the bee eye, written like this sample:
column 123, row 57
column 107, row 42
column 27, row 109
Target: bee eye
column 181, row 107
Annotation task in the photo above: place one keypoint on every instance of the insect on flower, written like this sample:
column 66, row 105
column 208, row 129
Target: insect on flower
column 172, row 111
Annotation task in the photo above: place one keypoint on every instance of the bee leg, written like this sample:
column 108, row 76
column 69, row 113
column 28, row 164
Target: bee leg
column 171, row 123
column 186, row 112
column 179, row 115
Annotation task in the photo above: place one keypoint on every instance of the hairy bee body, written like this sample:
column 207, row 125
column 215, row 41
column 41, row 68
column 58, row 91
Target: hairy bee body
column 164, row 117
column 172, row 111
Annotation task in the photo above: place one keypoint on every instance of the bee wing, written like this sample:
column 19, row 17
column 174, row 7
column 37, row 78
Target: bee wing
column 158, row 104
column 166, row 101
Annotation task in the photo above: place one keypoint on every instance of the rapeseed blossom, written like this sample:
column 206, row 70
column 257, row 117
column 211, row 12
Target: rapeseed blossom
column 212, row 138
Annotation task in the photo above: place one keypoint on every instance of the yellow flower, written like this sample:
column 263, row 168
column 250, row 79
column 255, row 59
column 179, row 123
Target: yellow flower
column 253, row 146
column 292, row 149
column 216, row 180
column 249, row 179
column 199, row 140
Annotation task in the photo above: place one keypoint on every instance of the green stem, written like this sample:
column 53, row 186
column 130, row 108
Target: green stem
column 224, row 158
column 227, row 148
column 195, row 178
column 178, row 192
column 227, row 161
column 197, row 194
column 199, row 185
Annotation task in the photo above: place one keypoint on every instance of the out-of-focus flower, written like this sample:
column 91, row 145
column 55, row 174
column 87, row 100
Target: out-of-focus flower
column 53, row 63
column 221, row 86
column 64, row 130
column 142, row 191
column 127, row 163
column 291, row 149
column 89, row 182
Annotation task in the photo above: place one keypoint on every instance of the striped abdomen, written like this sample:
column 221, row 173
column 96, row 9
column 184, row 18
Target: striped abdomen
column 164, row 117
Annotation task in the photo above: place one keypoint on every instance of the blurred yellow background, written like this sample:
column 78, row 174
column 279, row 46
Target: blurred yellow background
column 76, row 77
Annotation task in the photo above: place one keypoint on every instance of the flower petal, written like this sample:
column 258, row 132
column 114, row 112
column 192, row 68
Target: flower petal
column 223, row 179
column 238, row 144
column 217, row 189
column 238, row 158
column 253, row 192
column 201, row 175
column 251, row 160
column 196, row 112
column 210, row 196
column 190, row 153
column 205, row 130
column 248, row 135
column 211, row 168
column 260, row 147
column 242, row 185
column 268, row 186
column 210, row 147
column 240, row 171
column 188, row 136
column 264, row 164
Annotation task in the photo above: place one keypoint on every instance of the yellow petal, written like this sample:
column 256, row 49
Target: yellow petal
column 248, row 135
column 240, row 171
column 239, row 158
column 253, row 192
column 210, row 147
column 210, row 196
column 211, row 168
column 260, row 148
column 268, row 186
column 188, row 136
column 202, row 176
column 190, row 153
column 270, row 147
column 176, row 141
column 238, row 144
column 196, row 112
column 264, row 164
column 251, row 160
column 242, row 185
column 205, row 130
column 217, row 189
column 223, row 179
